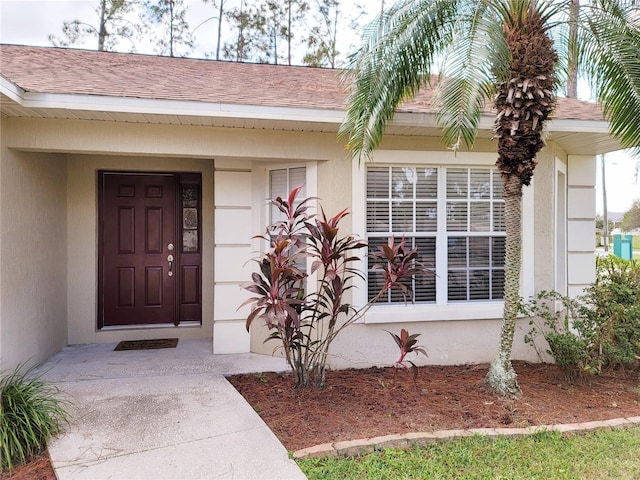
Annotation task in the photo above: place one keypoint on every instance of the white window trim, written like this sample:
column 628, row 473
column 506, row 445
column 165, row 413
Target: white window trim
column 560, row 246
column 475, row 310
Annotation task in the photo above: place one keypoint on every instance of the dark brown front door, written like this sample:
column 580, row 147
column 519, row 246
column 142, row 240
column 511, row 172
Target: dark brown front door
column 138, row 249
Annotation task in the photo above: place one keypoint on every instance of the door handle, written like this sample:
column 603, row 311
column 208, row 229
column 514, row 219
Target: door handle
column 170, row 260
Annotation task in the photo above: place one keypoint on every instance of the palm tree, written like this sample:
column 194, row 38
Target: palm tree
column 514, row 53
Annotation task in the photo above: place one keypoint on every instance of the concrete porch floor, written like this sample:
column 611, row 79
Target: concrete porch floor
column 87, row 362
column 162, row 414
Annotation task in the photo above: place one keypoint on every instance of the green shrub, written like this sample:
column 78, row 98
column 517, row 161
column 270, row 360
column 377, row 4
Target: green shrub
column 30, row 414
column 614, row 301
column 597, row 330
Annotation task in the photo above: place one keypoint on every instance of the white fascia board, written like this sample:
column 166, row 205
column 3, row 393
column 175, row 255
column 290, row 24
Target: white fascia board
column 578, row 126
column 487, row 123
column 177, row 107
column 11, row 90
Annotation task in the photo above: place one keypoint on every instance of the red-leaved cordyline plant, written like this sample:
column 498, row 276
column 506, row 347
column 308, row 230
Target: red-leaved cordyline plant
column 407, row 344
column 307, row 322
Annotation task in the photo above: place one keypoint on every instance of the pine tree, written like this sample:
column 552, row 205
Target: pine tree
column 295, row 11
column 250, row 34
column 111, row 28
column 218, row 7
column 327, row 21
column 173, row 37
column 272, row 16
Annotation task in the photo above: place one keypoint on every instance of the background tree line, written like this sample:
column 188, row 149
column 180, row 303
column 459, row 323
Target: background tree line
column 289, row 32
column 631, row 218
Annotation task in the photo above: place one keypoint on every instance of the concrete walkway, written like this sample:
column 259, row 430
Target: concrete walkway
column 162, row 414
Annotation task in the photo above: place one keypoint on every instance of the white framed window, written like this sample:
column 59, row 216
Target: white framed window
column 454, row 215
column 281, row 182
column 444, row 309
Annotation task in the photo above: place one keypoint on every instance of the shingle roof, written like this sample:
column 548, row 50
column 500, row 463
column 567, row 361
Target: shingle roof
column 85, row 72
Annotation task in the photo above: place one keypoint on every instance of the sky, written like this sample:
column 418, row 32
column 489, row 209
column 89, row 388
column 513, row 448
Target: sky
column 29, row 22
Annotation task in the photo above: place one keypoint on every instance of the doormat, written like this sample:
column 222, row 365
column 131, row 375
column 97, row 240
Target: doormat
column 147, row 344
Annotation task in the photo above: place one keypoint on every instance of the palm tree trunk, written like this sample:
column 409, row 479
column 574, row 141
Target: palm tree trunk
column 502, row 376
column 524, row 102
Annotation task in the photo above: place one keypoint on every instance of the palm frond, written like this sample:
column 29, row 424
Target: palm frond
column 467, row 77
column 402, row 45
column 564, row 42
column 514, row 12
column 610, row 55
column 394, row 61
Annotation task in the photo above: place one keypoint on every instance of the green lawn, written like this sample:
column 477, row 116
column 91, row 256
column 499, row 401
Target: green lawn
column 606, row 454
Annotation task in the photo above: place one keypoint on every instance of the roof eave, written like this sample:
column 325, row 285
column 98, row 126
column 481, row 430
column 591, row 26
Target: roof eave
column 11, row 90
column 88, row 103
column 411, row 123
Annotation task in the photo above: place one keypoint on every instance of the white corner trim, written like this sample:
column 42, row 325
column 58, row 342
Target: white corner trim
column 358, row 215
column 527, row 272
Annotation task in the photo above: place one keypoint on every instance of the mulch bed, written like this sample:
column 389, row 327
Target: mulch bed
column 368, row 403
column 39, row 468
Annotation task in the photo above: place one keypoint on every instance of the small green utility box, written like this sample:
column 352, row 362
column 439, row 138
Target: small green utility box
column 623, row 246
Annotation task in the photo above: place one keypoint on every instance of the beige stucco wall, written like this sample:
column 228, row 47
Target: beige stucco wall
column 448, row 341
column 234, row 187
column 108, row 145
column 178, row 141
column 33, row 256
column 83, row 245
column 334, row 188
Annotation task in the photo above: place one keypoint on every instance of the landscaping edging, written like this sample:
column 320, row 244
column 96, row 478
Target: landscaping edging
column 366, row 445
